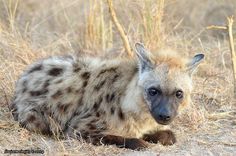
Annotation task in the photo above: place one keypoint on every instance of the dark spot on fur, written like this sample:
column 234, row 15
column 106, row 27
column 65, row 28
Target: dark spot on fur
column 80, row 91
column 38, row 125
column 31, row 118
column 78, row 134
column 57, row 94
column 63, row 107
column 85, row 83
column 80, row 101
column 59, row 81
column 94, row 120
column 110, row 98
column 92, row 127
column 34, row 110
column 104, row 123
column 98, row 103
column 83, row 134
column 36, row 68
column 85, row 75
column 103, row 128
column 76, row 69
column 75, row 127
column 102, row 112
column 107, row 97
column 115, row 78
column 55, row 71
column 69, row 90
column 98, row 114
column 113, row 69
column 46, row 131
column 42, row 112
column 46, row 84
column 112, row 110
column 121, row 115
column 99, row 85
column 39, row 92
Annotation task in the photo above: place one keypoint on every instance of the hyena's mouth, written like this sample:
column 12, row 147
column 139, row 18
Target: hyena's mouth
column 163, row 122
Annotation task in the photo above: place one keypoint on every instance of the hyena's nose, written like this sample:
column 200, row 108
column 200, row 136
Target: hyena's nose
column 164, row 117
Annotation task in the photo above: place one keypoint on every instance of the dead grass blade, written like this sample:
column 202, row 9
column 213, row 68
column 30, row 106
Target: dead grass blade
column 120, row 29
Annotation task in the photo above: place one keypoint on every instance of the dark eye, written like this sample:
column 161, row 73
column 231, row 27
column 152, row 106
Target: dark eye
column 153, row 91
column 179, row 94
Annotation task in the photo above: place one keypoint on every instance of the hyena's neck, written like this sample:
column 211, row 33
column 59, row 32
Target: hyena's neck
column 133, row 101
column 126, row 85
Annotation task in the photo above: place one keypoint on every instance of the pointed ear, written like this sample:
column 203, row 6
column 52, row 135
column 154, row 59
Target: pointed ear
column 145, row 63
column 194, row 62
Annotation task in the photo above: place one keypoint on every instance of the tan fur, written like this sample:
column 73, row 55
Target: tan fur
column 90, row 97
column 170, row 57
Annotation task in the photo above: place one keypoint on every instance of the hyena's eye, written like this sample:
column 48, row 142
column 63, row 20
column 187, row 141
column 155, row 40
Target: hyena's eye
column 154, row 91
column 179, row 94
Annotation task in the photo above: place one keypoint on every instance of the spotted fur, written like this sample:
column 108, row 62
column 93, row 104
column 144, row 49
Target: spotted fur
column 100, row 101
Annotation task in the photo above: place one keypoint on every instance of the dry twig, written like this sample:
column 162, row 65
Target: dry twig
column 231, row 43
column 120, row 28
column 216, row 27
column 229, row 28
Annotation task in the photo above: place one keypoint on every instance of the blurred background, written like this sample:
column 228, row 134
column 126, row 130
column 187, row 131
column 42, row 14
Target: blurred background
column 78, row 25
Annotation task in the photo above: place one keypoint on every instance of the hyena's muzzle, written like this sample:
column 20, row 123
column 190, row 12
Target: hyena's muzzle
column 164, row 109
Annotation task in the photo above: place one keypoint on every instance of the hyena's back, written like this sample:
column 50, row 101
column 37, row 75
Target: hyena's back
column 64, row 94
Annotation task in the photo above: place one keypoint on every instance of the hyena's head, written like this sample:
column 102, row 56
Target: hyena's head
column 165, row 83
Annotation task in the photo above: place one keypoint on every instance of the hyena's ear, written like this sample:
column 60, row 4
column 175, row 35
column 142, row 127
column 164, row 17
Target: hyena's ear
column 194, row 62
column 145, row 63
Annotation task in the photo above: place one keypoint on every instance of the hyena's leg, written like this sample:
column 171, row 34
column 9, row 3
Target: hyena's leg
column 34, row 120
column 121, row 142
column 165, row 137
column 94, row 131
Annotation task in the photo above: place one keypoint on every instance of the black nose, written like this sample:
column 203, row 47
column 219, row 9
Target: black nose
column 164, row 117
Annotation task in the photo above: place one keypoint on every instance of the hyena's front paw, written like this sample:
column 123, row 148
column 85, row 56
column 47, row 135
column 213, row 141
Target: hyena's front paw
column 119, row 141
column 135, row 144
column 165, row 137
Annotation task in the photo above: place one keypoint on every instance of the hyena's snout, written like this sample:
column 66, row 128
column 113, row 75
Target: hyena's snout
column 164, row 112
column 162, row 116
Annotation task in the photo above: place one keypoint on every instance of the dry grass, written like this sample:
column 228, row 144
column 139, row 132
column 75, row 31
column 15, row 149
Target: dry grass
column 30, row 30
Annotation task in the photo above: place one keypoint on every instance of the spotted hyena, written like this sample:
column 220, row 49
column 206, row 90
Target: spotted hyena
column 124, row 102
